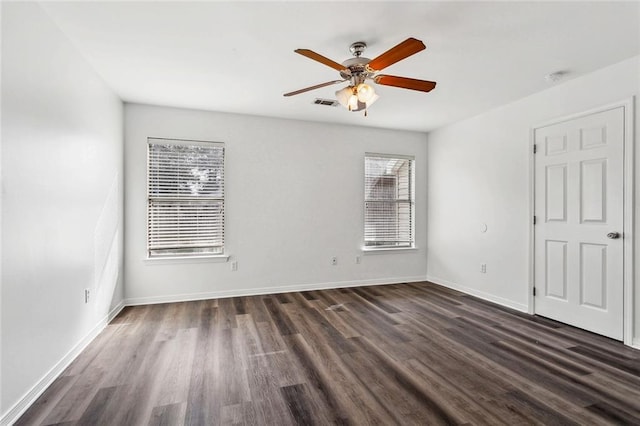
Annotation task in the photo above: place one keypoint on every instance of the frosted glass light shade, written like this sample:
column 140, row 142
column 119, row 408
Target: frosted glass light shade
column 343, row 96
column 365, row 92
column 374, row 98
column 365, row 105
column 353, row 102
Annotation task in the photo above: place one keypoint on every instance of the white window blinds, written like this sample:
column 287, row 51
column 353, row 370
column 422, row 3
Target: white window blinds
column 388, row 201
column 185, row 213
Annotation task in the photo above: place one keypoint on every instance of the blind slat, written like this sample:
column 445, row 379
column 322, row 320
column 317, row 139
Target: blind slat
column 389, row 201
column 185, row 214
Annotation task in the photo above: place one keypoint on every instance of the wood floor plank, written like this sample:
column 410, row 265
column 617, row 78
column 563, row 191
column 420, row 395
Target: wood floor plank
column 299, row 404
column 405, row 405
column 267, row 402
column 167, row 415
column 175, row 378
column 328, row 407
column 406, row 354
column 95, row 412
column 75, row 401
column 470, row 404
column 200, row 407
column 51, row 397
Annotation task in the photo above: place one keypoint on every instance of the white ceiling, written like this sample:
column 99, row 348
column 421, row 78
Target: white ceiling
column 238, row 56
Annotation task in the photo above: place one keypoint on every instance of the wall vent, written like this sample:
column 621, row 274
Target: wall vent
column 326, row 102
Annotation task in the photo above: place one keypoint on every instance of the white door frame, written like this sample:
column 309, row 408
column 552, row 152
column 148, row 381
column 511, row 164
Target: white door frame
column 628, row 203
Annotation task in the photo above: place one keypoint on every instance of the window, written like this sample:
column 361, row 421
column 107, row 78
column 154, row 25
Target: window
column 388, row 201
column 185, row 213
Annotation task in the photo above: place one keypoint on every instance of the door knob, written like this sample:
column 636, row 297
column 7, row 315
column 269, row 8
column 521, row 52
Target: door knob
column 613, row 235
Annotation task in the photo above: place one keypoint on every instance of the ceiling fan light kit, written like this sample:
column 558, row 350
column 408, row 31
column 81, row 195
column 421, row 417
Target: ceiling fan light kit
column 357, row 98
column 359, row 95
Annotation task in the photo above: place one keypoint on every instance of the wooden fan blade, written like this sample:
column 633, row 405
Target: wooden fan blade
column 323, row 60
column 317, row 86
column 397, row 53
column 405, row 83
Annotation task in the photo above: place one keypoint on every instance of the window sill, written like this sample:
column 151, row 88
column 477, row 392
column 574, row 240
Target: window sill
column 217, row 258
column 385, row 250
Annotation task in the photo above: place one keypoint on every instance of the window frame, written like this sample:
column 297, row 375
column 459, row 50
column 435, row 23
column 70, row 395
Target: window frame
column 411, row 245
column 194, row 256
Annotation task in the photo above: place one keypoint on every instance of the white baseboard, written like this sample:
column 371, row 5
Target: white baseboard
column 265, row 290
column 635, row 343
column 480, row 294
column 30, row 397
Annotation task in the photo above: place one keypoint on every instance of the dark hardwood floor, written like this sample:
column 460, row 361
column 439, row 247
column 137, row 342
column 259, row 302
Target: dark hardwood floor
column 395, row 354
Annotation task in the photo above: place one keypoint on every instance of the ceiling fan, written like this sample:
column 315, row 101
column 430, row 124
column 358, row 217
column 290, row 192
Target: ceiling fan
column 359, row 95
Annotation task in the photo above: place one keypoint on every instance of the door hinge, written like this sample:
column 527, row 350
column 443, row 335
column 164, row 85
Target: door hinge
column 534, row 291
column 534, row 220
column 535, row 148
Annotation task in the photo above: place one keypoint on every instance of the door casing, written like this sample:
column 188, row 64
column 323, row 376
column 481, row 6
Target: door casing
column 628, row 211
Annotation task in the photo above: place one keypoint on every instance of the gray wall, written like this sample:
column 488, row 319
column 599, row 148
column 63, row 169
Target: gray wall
column 479, row 173
column 61, row 202
column 294, row 199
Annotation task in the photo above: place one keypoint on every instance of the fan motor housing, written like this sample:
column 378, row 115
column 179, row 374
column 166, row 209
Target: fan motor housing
column 357, row 66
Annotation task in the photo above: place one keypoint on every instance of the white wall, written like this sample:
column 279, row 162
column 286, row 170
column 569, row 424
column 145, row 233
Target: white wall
column 479, row 173
column 61, row 203
column 294, row 199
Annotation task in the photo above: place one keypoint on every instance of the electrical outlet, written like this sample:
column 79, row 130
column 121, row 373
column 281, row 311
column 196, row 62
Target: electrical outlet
column 334, row 261
column 234, row 265
column 87, row 295
column 358, row 260
column 483, row 268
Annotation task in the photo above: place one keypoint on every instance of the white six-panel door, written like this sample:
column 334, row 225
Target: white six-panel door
column 579, row 222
